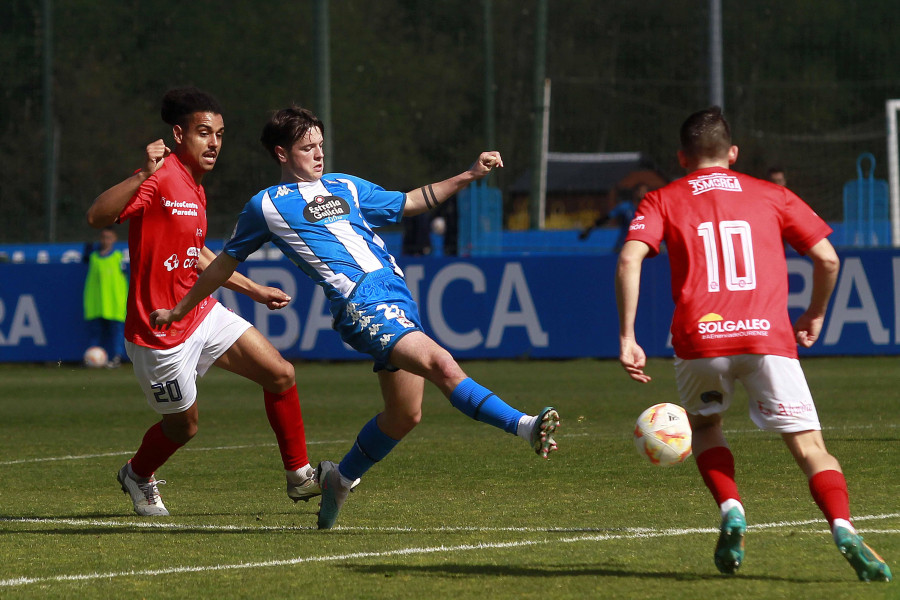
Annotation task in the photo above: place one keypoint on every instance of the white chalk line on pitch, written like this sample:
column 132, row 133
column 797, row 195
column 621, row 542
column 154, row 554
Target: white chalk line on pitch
column 620, row 535
column 130, row 452
column 312, row 443
column 445, row 529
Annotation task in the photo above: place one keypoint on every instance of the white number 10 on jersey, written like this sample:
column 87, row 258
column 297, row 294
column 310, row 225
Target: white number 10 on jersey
column 730, row 232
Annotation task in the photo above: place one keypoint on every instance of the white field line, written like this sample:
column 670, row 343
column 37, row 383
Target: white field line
column 22, row 461
column 599, row 537
column 130, row 452
column 254, row 528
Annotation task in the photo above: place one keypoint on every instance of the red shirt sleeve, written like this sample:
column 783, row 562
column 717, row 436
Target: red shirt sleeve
column 648, row 223
column 802, row 227
column 141, row 199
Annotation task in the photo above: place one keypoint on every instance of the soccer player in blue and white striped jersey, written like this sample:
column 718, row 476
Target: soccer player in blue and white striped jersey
column 324, row 223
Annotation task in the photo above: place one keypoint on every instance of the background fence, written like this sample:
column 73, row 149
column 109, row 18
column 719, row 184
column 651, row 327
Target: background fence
column 805, row 85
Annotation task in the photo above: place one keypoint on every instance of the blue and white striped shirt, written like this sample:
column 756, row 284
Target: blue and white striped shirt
column 323, row 227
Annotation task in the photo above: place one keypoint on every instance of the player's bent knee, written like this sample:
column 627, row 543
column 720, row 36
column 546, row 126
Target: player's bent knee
column 398, row 425
column 180, row 432
column 283, row 377
column 445, row 368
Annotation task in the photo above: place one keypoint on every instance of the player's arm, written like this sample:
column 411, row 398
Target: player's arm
column 270, row 296
column 430, row 196
column 212, row 278
column 826, row 265
column 628, row 288
column 109, row 205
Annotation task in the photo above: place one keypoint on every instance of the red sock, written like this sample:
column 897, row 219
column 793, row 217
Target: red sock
column 717, row 469
column 155, row 450
column 829, row 490
column 286, row 420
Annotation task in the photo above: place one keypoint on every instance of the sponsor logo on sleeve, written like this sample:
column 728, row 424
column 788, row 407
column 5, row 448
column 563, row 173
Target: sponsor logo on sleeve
column 636, row 223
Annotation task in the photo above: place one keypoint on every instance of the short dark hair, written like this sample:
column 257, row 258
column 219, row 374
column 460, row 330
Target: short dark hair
column 180, row 103
column 287, row 126
column 706, row 134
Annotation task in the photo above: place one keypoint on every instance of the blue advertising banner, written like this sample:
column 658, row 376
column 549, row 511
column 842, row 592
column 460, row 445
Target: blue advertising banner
column 559, row 306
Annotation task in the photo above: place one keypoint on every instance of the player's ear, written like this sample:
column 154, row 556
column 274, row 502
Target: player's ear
column 177, row 133
column 281, row 153
column 732, row 155
column 683, row 160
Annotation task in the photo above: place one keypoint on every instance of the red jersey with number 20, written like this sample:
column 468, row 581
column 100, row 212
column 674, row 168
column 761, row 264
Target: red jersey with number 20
column 166, row 230
column 725, row 234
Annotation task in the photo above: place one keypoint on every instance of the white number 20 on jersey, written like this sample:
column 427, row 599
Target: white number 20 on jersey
column 730, row 233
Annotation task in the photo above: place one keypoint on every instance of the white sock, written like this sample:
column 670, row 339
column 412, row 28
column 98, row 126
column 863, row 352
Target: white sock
column 841, row 523
column 525, row 426
column 729, row 504
column 301, row 475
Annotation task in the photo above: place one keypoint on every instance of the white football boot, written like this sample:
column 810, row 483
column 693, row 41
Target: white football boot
column 144, row 494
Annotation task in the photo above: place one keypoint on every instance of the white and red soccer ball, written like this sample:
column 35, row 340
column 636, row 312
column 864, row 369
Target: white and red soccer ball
column 95, row 357
column 662, row 434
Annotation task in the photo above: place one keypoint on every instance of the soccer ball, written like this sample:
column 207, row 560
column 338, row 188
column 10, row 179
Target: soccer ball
column 95, row 357
column 662, row 434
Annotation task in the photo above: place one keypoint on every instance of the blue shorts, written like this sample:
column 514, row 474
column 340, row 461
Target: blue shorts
column 379, row 312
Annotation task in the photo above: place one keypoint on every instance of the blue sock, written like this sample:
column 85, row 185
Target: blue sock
column 371, row 445
column 481, row 404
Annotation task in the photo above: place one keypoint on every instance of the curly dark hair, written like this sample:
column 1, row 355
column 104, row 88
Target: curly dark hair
column 180, row 103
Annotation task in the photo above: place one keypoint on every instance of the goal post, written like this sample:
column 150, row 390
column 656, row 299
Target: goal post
column 893, row 155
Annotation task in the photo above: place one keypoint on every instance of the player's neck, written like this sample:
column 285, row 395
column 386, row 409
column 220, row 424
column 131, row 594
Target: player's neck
column 708, row 164
column 194, row 171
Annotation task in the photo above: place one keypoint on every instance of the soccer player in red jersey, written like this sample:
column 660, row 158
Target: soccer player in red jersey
column 165, row 205
column 724, row 232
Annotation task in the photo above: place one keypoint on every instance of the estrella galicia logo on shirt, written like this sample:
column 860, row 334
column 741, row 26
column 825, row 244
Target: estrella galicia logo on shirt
column 326, row 208
column 713, row 326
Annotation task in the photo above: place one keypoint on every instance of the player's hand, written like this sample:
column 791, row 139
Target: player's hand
column 486, row 163
column 272, row 297
column 162, row 318
column 807, row 329
column 633, row 360
column 156, row 154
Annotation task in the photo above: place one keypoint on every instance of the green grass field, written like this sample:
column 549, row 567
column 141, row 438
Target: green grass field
column 459, row 509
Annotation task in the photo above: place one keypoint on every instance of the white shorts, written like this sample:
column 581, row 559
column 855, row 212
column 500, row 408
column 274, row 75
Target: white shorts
column 779, row 397
column 169, row 377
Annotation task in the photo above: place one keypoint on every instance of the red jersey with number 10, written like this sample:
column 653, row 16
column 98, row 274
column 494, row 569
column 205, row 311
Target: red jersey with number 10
column 725, row 234
column 166, row 230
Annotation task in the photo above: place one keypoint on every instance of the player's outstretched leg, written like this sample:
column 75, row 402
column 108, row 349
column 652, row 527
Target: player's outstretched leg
column 730, row 547
column 143, row 491
column 865, row 561
column 481, row 404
